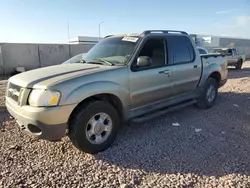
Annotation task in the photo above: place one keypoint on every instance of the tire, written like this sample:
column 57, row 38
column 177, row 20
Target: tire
column 80, row 127
column 204, row 101
column 239, row 65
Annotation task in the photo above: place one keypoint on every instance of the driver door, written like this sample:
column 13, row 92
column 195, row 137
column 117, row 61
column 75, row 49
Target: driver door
column 152, row 84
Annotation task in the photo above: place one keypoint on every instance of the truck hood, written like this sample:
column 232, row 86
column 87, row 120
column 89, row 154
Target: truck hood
column 43, row 77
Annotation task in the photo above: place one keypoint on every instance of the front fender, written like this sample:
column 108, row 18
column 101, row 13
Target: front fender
column 100, row 87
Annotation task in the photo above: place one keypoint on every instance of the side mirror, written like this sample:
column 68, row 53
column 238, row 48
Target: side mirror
column 230, row 53
column 144, row 61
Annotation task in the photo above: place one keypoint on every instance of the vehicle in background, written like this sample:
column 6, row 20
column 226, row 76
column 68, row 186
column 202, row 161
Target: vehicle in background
column 202, row 51
column 233, row 58
column 123, row 78
column 75, row 59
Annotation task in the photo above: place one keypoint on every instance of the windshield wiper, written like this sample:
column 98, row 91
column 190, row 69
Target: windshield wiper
column 83, row 61
column 101, row 62
column 126, row 58
column 105, row 61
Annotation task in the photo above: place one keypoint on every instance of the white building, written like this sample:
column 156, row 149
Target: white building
column 210, row 42
column 84, row 40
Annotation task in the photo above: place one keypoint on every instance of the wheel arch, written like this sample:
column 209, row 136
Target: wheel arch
column 215, row 75
column 108, row 97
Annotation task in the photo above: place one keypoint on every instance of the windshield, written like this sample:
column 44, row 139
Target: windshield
column 75, row 59
column 114, row 50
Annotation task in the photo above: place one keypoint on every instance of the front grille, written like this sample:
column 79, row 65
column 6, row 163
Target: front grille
column 13, row 91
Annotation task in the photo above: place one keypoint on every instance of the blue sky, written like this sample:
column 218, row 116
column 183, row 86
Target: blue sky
column 46, row 20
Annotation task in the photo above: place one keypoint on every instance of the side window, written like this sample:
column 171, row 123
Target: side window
column 234, row 52
column 155, row 49
column 191, row 49
column 229, row 52
column 181, row 48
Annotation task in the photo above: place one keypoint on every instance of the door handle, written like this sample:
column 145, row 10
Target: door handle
column 195, row 66
column 164, row 72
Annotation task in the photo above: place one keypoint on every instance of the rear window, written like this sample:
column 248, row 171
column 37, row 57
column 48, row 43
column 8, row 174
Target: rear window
column 202, row 51
column 181, row 48
column 221, row 51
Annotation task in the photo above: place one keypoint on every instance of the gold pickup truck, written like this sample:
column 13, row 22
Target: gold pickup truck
column 233, row 58
column 122, row 78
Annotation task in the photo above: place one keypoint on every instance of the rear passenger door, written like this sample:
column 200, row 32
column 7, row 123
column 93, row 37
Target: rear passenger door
column 186, row 65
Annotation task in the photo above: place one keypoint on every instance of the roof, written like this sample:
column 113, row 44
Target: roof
column 124, row 35
column 147, row 32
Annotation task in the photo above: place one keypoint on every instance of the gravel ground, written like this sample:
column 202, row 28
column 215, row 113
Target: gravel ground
column 205, row 149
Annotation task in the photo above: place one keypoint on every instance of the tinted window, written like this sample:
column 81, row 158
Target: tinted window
column 181, row 49
column 155, row 49
column 234, row 52
column 202, row 51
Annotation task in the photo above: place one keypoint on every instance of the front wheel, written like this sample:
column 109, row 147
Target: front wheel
column 239, row 65
column 209, row 94
column 94, row 127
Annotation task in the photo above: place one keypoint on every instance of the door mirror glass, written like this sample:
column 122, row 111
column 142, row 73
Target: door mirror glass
column 144, row 61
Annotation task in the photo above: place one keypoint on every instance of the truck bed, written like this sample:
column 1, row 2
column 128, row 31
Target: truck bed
column 210, row 61
column 214, row 58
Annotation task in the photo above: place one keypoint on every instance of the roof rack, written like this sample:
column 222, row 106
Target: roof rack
column 163, row 31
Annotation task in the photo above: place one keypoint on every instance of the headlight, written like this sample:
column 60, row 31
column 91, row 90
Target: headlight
column 42, row 98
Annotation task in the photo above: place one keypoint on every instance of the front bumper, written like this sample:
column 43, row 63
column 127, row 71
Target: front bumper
column 46, row 123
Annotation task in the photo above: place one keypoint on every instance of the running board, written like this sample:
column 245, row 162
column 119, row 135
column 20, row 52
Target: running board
column 162, row 112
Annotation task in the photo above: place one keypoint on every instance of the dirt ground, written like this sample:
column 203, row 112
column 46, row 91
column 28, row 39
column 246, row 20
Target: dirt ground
column 207, row 148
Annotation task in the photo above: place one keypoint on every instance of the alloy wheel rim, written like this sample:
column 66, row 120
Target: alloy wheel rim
column 210, row 95
column 99, row 128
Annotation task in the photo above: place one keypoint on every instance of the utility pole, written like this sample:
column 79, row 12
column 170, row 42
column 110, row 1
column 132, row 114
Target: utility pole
column 68, row 31
column 69, row 39
column 100, row 29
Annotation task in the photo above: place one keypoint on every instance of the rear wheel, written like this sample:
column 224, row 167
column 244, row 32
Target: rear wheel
column 209, row 94
column 239, row 64
column 94, row 127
